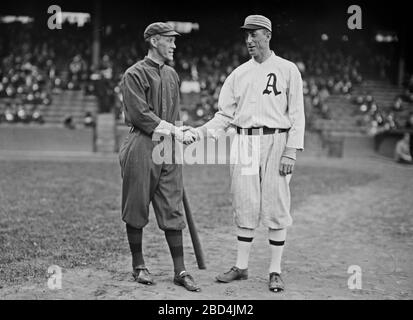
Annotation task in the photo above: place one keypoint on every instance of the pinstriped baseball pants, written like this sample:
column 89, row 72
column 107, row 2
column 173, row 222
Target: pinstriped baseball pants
column 259, row 192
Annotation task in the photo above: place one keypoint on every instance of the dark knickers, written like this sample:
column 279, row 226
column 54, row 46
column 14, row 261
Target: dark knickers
column 145, row 182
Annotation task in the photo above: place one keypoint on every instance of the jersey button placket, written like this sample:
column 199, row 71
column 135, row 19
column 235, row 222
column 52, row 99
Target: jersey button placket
column 163, row 85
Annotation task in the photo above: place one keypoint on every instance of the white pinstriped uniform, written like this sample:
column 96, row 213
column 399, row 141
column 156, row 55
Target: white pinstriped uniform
column 256, row 95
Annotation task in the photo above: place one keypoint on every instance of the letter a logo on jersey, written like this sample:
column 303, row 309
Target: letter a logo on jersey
column 272, row 83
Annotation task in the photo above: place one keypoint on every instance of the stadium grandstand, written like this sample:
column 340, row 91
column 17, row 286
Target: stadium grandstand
column 357, row 83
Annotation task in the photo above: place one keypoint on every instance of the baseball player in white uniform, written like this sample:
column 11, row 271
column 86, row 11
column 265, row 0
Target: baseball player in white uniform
column 263, row 100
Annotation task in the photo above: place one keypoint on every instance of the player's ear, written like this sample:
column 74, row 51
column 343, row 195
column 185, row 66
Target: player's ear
column 154, row 41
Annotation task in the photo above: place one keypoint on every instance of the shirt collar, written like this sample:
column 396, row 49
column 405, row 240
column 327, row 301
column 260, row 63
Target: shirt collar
column 153, row 63
column 272, row 56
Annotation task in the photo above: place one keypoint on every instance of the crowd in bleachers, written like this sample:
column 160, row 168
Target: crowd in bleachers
column 375, row 119
column 24, row 87
column 36, row 64
column 383, row 118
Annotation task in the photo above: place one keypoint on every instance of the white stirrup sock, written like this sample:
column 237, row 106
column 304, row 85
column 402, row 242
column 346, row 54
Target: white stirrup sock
column 245, row 237
column 277, row 240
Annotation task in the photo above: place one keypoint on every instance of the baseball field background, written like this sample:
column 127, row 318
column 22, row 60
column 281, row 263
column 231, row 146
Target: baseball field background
column 65, row 211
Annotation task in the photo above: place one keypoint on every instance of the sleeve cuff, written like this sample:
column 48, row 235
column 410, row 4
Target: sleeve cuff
column 165, row 128
column 290, row 153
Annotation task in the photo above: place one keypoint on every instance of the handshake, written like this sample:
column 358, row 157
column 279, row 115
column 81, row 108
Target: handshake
column 187, row 134
column 184, row 134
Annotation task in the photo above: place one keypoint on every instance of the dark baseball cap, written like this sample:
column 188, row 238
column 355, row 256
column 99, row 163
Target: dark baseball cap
column 256, row 21
column 161, row 28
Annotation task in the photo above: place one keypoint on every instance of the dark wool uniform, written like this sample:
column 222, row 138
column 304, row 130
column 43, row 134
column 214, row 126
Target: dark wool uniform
column 150, row 94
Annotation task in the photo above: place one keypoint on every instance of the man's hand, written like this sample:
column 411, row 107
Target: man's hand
column 286, row 166
column 190, row 135
column 179, row 134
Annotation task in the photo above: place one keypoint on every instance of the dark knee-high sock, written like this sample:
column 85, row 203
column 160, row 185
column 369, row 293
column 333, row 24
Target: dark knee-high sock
column 174, row 239
column 135, row 245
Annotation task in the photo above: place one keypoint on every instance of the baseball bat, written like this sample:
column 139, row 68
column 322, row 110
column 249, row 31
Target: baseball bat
column 194, row 233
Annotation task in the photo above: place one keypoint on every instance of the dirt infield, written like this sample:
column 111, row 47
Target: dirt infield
column 346, row 212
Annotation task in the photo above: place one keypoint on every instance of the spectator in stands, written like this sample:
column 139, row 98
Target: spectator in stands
column 369, row 100
column 409, row 127
column 78, row 70
column 37, row 116
column 363, row 108
column 88, row 120
column 105, row 84
column 325, row 111
column 68, row 122
column 10, row 113
column 374, row 128
column 359, row 100
column 373, row 109
column 323, row 93
column 402, row 151
column 397, row 104
column 22, row 115
column 390, row 120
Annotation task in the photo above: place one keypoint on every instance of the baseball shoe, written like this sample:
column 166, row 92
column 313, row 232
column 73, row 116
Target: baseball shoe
column 276, row 284
column 184, row 279
column 233, row 274
column 141, row 274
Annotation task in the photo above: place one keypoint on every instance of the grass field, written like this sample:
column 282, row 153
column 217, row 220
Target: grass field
column 68, row 213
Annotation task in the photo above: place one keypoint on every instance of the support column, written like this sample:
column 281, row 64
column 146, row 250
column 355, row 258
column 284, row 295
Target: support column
column 96, row 19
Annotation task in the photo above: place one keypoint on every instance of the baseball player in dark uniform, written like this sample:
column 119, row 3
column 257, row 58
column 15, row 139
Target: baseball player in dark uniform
column 150, row 91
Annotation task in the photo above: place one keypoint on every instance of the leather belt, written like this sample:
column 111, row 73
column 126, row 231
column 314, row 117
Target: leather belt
column 260, row 130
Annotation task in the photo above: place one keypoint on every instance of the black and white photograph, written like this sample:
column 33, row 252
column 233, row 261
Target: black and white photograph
column 226, row 152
